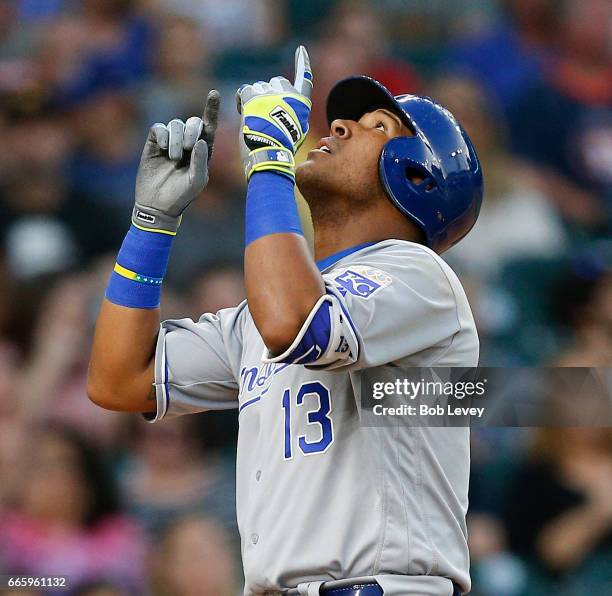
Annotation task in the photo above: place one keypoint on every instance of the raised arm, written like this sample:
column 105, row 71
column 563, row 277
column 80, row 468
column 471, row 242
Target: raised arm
column 274, row 125
column 173, row 171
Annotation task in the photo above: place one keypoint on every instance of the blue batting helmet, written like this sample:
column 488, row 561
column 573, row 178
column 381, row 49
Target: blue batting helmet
column 446, row 203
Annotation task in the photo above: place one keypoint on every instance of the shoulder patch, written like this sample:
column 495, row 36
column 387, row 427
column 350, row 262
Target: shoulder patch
column 362, row 281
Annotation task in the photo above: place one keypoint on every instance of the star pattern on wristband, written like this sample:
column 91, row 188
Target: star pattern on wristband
column 132, row 275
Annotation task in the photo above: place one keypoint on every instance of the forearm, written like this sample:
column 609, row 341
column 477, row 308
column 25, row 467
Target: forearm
column 121, row 370
column 121, row 373
column 278, row 253
column 564, row 542
column 293, row 285
column 281, row 277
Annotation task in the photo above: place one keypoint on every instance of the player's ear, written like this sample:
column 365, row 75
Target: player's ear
column 340, row 129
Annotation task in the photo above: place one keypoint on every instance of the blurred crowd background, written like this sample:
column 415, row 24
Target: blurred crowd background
column 127, row 508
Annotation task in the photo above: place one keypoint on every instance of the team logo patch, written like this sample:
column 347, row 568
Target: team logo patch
column 362, row 281
column 285, row 123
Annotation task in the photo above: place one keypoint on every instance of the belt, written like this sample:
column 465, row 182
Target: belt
column 356, row 590
column 365, row 590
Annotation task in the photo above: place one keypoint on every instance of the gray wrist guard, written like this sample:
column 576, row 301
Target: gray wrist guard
column 147, row 218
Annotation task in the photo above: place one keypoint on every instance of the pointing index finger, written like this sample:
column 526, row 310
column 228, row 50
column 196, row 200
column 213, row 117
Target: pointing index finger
column 211, row 114
column 303, row 72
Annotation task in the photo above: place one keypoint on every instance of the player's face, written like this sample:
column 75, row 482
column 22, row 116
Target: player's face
column 345, row 164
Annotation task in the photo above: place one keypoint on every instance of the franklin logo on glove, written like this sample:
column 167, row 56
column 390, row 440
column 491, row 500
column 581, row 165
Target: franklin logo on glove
column 144, row 217
column 283, row 119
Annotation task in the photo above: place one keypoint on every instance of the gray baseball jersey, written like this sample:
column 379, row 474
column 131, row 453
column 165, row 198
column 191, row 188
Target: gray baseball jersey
column 320, row 497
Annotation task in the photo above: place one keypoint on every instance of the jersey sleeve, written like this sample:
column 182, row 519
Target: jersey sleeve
column 377, row 311
column 196, row 364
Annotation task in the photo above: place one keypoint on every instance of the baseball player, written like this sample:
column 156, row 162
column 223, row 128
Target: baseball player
column 324, row 505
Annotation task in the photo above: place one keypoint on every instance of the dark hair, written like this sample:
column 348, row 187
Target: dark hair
column 573, row 294
column 94, row 472
column 91, row 587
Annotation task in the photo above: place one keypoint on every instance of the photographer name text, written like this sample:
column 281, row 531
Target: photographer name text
column 426, row 410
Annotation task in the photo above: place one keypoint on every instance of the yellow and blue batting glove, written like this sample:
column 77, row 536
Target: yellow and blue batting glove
column 275, row 119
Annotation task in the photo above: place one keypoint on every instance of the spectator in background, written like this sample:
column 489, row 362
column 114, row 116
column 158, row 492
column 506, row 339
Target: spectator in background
column 583, row 305
column 17, row 45
column 65, row 517
column 219, row 287
column 361, row 27
column 179, row 80
column 560, row 511
column 108, row 142
column 100, row 588
column 231, row 23
column 36, row 134
column 426, row 25
column 193, row 559
column 354, row 42
column 50, row 384
column 62, row 48
column 168, row 475
column 40, row 10
column 11, row 431
column 306, row 16
column 511, row 56
column 37, row 241
column 495, row 571
column 88, row 62
column 514, row 204
column 48, row 227
column 88, row 47
column 115, row 47
column 563, row 123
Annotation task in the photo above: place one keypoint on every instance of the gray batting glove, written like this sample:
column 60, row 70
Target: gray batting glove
column 168, row 178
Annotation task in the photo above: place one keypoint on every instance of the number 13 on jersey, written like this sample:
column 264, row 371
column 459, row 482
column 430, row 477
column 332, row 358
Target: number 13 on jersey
column 313, row 401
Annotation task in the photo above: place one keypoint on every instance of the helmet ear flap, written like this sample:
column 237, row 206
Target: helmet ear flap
column 406, row 163
column 405, row 179
column 420, row 178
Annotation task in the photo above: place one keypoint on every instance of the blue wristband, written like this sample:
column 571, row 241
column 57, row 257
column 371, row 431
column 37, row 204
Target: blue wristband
column 270, row 206
column 140, row 269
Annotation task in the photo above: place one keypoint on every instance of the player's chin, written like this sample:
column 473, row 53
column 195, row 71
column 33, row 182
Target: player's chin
column 313, row 167
column 306, row 173
column 315, row 180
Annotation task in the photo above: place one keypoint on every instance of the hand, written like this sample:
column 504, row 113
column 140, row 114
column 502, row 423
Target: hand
column 592, row 475
column 275, row 119
column 167, row 182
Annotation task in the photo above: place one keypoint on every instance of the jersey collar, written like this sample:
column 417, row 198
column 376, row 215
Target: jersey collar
column 332, row 259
